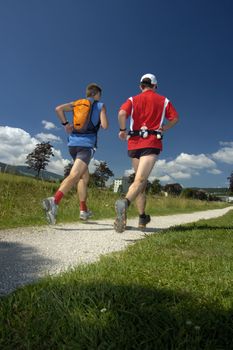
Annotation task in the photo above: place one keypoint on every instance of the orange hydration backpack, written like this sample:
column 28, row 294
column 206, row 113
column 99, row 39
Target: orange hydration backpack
column 82, row 114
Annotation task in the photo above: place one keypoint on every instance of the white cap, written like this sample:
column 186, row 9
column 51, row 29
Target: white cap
column 152, row 78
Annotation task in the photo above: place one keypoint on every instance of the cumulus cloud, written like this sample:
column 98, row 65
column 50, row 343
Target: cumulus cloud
column 184, row 166
column 16, row 144
column 225, row 153
column 92, row 165
column 214, row 171
column 48, row 125
column 199, row 161
column 226, row 143
column 43, row 137
column 57, row 163
column 128, row 172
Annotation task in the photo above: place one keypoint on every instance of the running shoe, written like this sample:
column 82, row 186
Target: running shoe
column 85, row 215
column 50, row 210
column 144, row 221
column 121, row 215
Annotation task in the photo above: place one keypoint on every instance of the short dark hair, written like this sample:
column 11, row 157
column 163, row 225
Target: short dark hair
column 92, row 89
column 146, row 83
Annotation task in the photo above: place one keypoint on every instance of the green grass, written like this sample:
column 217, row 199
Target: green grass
column 20, row 203
column 171, row 290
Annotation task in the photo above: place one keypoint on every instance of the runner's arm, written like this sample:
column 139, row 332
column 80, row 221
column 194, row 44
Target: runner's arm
column 170, row 124
column 60, row 111
column 122, row 115
column 103, row 118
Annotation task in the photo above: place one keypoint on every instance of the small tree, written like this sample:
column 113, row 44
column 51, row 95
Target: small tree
column 102, row 174
column 155, row 187
column 230, row 178
column 67, row 169
column 39, row 158
column 173, row 189
column 194, row 194
column 131, row 178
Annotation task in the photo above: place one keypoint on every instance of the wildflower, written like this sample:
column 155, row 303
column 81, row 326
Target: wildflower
column 103, row 310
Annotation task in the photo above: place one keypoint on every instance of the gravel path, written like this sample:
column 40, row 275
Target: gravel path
column 26, row 254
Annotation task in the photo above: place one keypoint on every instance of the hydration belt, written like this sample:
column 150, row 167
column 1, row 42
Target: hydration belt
column 145, row 133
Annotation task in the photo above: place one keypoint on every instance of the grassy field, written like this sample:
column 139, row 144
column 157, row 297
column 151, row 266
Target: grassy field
column 20, row 203
column 172, row 290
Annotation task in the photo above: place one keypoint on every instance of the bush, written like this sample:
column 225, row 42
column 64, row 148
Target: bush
column 194, row 194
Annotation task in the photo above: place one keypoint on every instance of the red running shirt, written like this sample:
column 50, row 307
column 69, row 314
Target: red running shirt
column 147, row 109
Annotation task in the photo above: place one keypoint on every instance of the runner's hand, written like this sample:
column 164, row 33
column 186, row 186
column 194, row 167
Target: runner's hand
column 68, row 128
column 123, row 135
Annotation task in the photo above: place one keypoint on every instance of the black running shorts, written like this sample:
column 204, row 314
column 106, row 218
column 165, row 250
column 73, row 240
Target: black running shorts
column 137, row 153
column 83, row 153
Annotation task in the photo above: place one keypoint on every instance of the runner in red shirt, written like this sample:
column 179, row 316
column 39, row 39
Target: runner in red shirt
column 147, row 112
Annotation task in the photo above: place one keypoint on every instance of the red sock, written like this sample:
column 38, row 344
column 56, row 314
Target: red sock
column 58, row 196
column 83, row 206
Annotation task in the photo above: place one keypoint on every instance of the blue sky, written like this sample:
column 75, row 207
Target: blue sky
column 50, row 51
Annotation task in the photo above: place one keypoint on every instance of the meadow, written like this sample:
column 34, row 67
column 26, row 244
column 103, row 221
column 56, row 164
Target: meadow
column 171, row 290
column 20, row 203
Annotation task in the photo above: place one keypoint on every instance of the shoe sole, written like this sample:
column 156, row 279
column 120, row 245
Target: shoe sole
column 45, row 204
column 85, row 218
column 142, row 226
column 50, row 217
column 120, row 221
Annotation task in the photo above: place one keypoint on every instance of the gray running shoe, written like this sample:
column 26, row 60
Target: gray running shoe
column 121, row 206
column 143, row 221
column 85, row 215
column 50, row 210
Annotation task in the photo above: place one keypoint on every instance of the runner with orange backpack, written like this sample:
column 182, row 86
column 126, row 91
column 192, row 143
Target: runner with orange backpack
column 89, row 114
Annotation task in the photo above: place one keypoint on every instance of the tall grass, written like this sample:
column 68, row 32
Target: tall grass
column 20, row 203
column 172, row 290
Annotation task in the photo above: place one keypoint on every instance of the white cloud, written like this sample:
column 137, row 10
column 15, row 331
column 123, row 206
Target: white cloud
column 181, row 175
column 16, row 144
column 184, row 166
column 57, row 163
column 92, row 165
column 48, row 125
column 214, row 171
column 226, row 143
column 224, row 154
column 164, row 178
column 48, row 137
column 128, row 172
column 199, row 161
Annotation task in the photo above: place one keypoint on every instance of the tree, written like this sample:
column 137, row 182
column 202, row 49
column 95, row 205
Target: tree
column 173, row 189
column 67, row 169
column 131, row 178
column 155, row 187
column 39, row 158
column 101, row 174
column 230, row 178
column 194, row 194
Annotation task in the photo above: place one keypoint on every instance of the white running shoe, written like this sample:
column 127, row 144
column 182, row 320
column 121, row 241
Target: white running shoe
column 50, row 209
column 85, row 215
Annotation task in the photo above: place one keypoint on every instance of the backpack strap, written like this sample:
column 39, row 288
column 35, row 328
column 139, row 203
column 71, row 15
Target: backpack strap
column 131, row 119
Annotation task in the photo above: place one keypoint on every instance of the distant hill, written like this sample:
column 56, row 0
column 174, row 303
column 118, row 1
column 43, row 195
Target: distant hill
column 24, row 170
